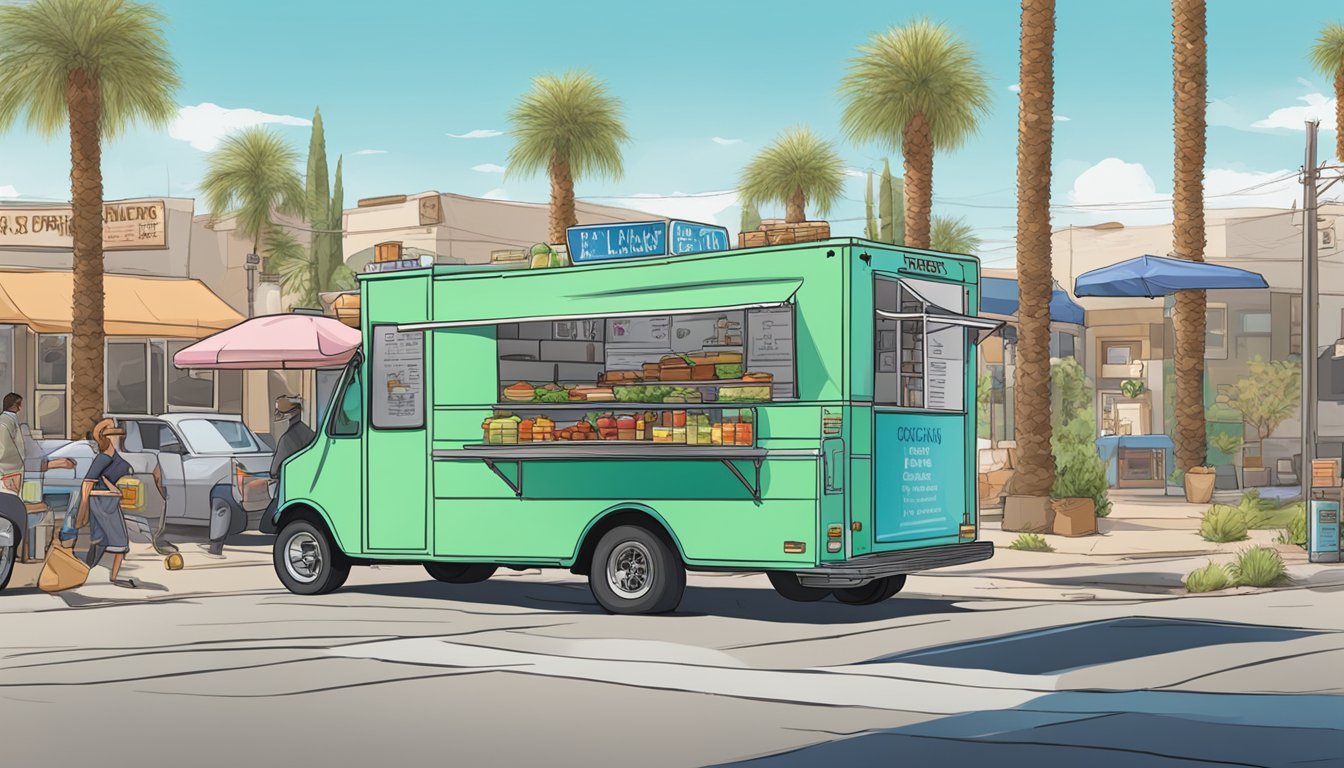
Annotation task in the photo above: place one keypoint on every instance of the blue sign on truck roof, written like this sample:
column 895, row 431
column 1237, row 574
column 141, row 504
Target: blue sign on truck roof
column 641, row 239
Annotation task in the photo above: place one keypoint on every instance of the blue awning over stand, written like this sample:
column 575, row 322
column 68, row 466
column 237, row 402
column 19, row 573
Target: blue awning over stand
column 1154, row 276
column 998, row 296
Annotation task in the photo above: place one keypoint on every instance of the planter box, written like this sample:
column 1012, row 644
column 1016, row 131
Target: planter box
column 1028, row 514
column 1074, row 517
column 1199, row 485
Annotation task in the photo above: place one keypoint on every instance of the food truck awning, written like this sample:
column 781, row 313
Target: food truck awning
column 293, row 341
column 492, row 302
column 133, row 305
column 981, row 328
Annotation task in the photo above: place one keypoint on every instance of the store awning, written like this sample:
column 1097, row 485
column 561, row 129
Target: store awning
column 493, row 301
column 132, row 305
column 291, row 341
column 1154, row 276
column 999, row 296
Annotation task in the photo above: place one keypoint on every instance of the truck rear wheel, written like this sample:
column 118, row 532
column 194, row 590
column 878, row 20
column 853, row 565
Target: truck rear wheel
column 873, row 592
column 460, row 573
column 789, row 588
column 634, row 571
column 307, row 560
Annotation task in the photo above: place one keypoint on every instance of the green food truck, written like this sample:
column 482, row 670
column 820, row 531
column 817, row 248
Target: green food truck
column 804, row 410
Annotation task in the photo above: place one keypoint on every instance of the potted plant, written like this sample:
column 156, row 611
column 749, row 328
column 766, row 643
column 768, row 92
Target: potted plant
column 1133, row 389
column 1199, row 485
column 1228, row 445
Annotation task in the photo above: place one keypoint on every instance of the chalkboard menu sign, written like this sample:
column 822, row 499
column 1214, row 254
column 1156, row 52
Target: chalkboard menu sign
column 397, row 379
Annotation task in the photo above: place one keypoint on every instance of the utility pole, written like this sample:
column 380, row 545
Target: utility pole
column 252, row 261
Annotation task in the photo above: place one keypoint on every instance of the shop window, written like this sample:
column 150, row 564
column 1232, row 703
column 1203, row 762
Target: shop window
column 1294, row 325
column 127, row 382
column 349, row 414
column 1255, row 323
column 397, row 371
column 52, row 357
column 51, row 413
column 1062, row 345
column 158, row 364
column 230, row 391
column 188, row 389
column 920, row 349
column 1215, row 331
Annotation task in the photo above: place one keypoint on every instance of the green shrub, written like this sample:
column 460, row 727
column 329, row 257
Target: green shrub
column 1079, row 471
column 1257, row 567
column 1223, row 523
column 1031, row 542
column 1210, row 578
column 1177, row 477
column 1257, row 512
column 1296, row 532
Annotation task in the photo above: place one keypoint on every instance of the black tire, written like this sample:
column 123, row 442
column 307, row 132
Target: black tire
column 657, row 582
column 873, row 592
column 314, row 566
column 789, row 588
column 460, row 573
column 8, row 556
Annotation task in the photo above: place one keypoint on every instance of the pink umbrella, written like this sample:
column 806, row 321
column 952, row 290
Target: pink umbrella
column 274, row 341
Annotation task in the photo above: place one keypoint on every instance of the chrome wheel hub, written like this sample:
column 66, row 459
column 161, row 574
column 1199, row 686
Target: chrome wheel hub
column 303, row 557
column 630, row 570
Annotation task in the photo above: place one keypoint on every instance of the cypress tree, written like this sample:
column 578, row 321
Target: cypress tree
column 319, row 204
column 887, row 230
column 340, row 277
column 870, row 229
column 751, row 217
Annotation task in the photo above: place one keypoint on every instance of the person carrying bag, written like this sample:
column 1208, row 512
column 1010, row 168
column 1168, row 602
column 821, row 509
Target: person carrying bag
column 100, row 501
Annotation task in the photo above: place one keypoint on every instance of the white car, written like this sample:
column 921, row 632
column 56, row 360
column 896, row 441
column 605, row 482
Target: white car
column 206, row 460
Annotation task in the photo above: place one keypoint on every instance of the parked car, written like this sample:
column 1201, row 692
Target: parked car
column 206, row 460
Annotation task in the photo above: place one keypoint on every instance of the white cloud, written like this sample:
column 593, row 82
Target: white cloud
column 1015, row 87
column 479, row 133
column 1317, row 107
column 369, row 152
column 725, row 142
column 488, row 168
column 205, row 124
column 1062, row 119
column 704, row 208
column 8, row 190
column 496, row 194
column 856, row 173
column 1305, row 83
column 1113, row 190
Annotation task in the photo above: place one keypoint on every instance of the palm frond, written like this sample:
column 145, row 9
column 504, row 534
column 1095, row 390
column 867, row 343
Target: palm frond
column 798, row 159
column 570, row 116
column 1327, row 55
column 119, row 43
column 920, row 68
column 253, row 174
column 286, row 257
column 952, row 235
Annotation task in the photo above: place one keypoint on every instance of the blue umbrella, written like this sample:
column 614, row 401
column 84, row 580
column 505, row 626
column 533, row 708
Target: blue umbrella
column 998, row 296
column 1154, row 276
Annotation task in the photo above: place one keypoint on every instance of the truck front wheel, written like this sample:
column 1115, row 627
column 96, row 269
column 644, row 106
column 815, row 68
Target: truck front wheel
column 307, row 561
column 634, row 571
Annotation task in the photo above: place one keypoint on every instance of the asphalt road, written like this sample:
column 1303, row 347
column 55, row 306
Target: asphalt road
column 524, row 670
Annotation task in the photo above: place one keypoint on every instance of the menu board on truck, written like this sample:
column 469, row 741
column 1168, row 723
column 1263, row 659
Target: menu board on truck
column 919, row 471
column 397, row 378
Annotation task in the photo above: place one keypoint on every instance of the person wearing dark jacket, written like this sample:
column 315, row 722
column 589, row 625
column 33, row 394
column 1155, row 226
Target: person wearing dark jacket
column 296, row 437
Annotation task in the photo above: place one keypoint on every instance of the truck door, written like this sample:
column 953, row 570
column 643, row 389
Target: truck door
column 396, row 463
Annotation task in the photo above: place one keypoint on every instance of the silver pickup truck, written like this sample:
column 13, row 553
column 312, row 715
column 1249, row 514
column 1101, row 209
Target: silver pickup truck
column 207, row 461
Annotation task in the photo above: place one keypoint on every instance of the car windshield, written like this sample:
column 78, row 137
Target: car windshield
column 219, row 436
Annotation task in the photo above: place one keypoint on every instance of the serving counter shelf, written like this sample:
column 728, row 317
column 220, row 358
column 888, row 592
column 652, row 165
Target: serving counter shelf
column 615, row 450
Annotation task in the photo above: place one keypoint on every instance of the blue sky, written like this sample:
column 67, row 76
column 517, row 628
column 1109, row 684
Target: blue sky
column 396, row 80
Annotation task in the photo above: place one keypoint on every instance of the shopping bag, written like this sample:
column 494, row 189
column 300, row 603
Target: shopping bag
column 61, row 570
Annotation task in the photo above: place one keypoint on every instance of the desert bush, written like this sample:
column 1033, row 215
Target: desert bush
column 1223, row 523
column 1031, row 542
column 1296, row 532
column 1210, row 578
column 1257, row 567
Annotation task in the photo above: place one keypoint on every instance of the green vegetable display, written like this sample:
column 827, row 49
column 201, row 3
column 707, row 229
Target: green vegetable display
column 728, row 371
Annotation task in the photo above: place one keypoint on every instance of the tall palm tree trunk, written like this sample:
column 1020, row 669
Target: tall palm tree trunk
column 562, row 199
column 84, row 100
column 917, row 152
column 794, row 211
column 1189, row 58
column 1035, row 124
column 1339, row 114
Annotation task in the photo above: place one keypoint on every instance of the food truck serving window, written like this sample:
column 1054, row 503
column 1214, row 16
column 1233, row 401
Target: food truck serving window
column 920, row 337
column 727, row 356
column 397, row 378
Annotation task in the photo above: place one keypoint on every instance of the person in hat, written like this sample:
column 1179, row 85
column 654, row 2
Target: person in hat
column 296, row 437
column 100, row 501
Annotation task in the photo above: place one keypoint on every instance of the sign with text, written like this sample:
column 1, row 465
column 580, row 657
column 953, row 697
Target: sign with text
column 919, row 469
column 627, row 240
column 686, row 237
column 128, row 225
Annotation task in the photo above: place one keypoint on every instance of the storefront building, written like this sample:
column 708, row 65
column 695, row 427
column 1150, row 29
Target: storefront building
column 155, row 302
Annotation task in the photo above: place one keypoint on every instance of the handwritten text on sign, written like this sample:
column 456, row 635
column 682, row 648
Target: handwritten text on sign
column 131, row 225
column 919, row 470
column 602, row 242
column 687, row 237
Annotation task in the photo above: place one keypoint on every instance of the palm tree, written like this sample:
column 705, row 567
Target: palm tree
column 1328, row 56
column 1190, row 74
column 952, row 235
column 570, row 127
column 915, row 88
column 253, row 175
column 1035, row 474
column 95, row 67
column 797, row 168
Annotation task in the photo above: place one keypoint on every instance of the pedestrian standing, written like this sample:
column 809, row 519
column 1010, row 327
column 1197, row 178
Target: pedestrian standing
column 100, row 502
column 296, row 437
